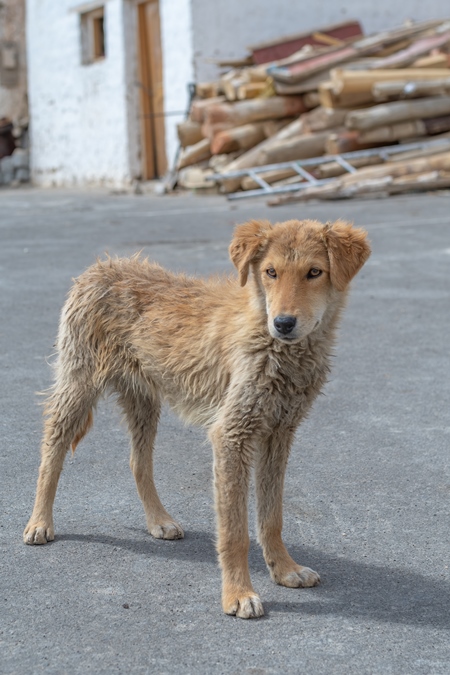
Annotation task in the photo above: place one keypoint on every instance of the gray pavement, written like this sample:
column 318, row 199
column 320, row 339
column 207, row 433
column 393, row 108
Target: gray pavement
column 368, row 485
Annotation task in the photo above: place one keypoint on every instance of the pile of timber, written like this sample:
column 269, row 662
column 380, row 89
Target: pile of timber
column 327, row 92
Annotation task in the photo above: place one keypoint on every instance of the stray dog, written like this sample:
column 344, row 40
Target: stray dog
column 246, row 360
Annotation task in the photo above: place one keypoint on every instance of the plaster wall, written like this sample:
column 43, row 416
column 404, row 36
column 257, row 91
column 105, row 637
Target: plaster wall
column 79, row 114
column 225, row 28
column 13, row 99
column 178, row 66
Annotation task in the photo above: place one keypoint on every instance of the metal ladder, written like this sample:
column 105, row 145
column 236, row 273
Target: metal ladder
column 344, row 160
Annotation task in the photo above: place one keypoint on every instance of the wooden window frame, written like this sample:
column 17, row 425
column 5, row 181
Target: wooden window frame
column 92, row 24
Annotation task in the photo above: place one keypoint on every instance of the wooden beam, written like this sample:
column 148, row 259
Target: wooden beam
column 254, row 110
column 194, row 154
column 300, row 147
column 346, row 82
column 189, row 133
column 398, row 111
column 411, row 88
column 238, row 138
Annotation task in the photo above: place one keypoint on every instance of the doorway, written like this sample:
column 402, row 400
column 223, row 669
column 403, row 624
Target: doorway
column 153, row 147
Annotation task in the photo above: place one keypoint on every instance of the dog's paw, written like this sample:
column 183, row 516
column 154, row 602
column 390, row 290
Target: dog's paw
column 300, row 577
column 38, row 533
column 245, row 606
column 167, row 530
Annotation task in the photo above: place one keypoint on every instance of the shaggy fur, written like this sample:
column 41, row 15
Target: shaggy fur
column 246, row 360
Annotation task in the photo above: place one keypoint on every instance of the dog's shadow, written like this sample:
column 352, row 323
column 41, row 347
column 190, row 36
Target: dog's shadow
column 349, row 589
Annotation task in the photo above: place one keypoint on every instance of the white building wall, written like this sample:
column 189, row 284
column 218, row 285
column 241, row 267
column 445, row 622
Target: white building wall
column 79, row 123
column 13, row 99
column 225, row 28
column 178, row 65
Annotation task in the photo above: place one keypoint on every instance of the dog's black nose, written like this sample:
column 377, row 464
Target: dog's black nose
column 284, row 324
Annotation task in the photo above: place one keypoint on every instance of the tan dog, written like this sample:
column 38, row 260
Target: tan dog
column 244, row 360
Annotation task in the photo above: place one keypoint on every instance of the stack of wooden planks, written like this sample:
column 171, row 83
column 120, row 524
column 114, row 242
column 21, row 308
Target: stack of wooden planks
column 333, row 91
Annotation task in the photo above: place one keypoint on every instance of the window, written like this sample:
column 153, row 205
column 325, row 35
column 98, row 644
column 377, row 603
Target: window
column 93, row 36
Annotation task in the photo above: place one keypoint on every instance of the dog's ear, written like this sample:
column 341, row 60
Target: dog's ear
column 248, row 244
column 348, row 250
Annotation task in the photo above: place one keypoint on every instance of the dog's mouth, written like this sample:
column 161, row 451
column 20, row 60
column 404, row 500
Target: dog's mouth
column 291, row 339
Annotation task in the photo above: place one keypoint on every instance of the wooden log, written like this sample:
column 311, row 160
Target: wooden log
column 254, row 110
column 194, row 154
column 293, row 180
column 439, row 60
column 371, row 179
column 393, row 48
column 208, row 89
column 329, row 98
column 436, row 162
column 231, row 85
column 211, row 130
column 334, row 56
column 290, row 130
column 254, row 156
column 347, row 82
column 250, row 90
column 301, row 147
column 433, row 149
column 238, row 138
column 189, row 133
column 394, row 132
column 248, row 183
column 231, row 62
column 417, row 48
column 334, row 169
column 193, row 177
column 272, row 127
column 437, row 125
column 325, row 39
column 322, row 118
column 431, row 180
column 218, row 162
column 304, row 87
column 417, row 182
column 257, row 73
column 398, row 111
column 244, row 84
column 303, row 70
column 283, row 47
column 383, row 91
column 345, row 141
column 311, row 99
column 198, row 108
column 330, row 191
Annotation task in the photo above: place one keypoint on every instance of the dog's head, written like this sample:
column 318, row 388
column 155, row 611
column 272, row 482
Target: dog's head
column 298, row 268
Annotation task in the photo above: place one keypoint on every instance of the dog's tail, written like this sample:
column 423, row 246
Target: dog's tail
column 82, row 433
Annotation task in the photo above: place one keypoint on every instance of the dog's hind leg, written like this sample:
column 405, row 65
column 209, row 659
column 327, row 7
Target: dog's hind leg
column 68, row 418
column 142, row 414
column 270, row 468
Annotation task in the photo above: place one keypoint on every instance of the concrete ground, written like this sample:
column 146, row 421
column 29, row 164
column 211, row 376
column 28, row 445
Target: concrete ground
column 368, row 485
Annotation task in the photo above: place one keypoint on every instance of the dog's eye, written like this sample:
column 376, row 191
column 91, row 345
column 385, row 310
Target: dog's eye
column 314, row 272
column 271, row 273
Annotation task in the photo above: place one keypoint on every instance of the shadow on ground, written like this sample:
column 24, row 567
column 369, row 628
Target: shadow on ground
column 349, row 589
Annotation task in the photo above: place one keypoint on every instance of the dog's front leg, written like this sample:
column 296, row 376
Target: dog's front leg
column 232, row 462
column 270, row 467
